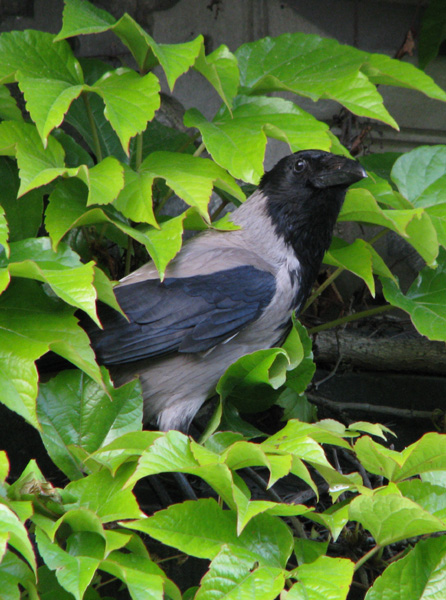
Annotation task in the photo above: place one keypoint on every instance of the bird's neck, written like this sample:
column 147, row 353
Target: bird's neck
column 307, row 225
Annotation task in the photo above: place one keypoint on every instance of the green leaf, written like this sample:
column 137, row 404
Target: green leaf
column 81, row 17
column 235, row 576
column 18, row 536
column 299, row 377
column 8, row 106
column 62, row 271
column 89, row 420
column 252, row 381
column 221, row 70
column 68, row 209
column 130, row 101
column 201, row 527
column 38, row 165
column 104, row 494
column 78, row 117
column 139, row 575
column 104, row 181
column 134, row 199
column 314, row 67
column 432, row 32
column 430, row 497
column 191, row 178
column 16, row 577
column 391, row 518
column 50, row 78
column 413, row 224
column 31, row 323
column 24, row 214
column 425, row 300
column 422, row 570
column 355, row 257
column 237, row 142
column 307, row 551
column 326, row 577
column 3, row 242
column 74, row 573
column 421, row 176
column 382, row 69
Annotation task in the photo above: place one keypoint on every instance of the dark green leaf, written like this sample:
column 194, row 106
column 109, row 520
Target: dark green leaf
column 90, row 419
column 425, row 300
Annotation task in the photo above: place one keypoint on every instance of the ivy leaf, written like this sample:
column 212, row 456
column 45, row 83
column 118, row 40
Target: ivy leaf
column 421, row 569
column 313, row 67
column 139, row 575
column 325, row 577
column 104, row 494
column 220, row 68
column 130, row 101
column 50, row 78
column 9, row 111
column 68, row 209
column 391, row 518
column 235, row 576
column 252, row 381
column 191, row 178
column 74, row 573
column 425, row 301
column 201, row 527
column 81, row 17
column 104, row 181
column 62, row 271
column 413, row 224
column 175, row 59
column 134, row 199
column 421, row 176
column 355, row 257
column 318, row 68
column 89, row 419
column 432, row 32
column 238, row 142
column 18, row 536
column 31, row 324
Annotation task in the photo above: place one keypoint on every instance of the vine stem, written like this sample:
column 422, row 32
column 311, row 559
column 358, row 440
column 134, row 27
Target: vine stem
column 322, row 287
column 201, row 148
column 94, row 130
column 138, row 153
column 354, row 317
column 366, row 556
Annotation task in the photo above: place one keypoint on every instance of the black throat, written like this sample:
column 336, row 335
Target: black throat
column 306, row 223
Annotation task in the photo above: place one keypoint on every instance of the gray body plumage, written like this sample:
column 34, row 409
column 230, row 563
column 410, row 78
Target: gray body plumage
column 227, row 293
column 175, row 387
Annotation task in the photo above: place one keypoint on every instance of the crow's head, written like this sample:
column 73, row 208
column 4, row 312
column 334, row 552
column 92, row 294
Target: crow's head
column 304, row 194
column 309, row 171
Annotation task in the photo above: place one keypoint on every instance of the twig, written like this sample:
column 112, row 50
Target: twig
column 405, row 413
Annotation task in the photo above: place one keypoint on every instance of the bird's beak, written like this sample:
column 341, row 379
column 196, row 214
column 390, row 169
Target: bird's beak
column 338, row 170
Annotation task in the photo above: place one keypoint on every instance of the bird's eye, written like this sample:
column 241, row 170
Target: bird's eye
column 300, row 165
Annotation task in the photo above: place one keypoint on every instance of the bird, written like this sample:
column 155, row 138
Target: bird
column 226, row 293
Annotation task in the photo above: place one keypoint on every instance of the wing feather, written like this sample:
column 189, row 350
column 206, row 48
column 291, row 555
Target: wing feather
column 189, row 314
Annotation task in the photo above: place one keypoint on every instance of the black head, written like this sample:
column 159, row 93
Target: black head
column 303, row 173
column 304, row 193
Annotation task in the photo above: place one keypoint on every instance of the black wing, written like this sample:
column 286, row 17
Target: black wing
column 190, row 314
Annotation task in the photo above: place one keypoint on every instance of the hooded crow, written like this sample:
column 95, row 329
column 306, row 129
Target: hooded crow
column 227, row 293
